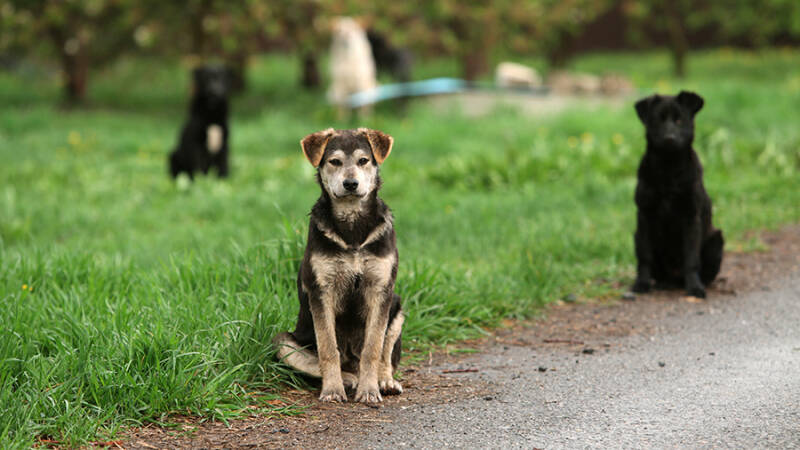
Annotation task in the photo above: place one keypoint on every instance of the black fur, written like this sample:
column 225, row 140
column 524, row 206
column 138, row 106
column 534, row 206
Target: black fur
column 676, row 243
column 394, row 61
column 350, row 325
column 208, row 106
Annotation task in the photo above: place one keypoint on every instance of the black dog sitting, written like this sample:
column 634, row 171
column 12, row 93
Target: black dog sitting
column 675, row 240
column 204, row 139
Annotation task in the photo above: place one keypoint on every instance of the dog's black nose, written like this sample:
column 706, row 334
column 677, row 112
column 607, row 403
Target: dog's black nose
column 671, row 139
column 350, row 184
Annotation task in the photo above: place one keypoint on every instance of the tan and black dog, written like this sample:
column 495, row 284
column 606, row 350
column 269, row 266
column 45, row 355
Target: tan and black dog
column 349, row 327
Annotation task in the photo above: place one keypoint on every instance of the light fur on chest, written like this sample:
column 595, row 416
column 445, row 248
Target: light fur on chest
column 335, row 275
column 214, row 138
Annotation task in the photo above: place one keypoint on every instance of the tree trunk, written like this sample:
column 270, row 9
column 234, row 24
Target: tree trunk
column 474, row 64
column 679, row 61
column 74, row 69
column 557, row 59
column 310, row 71
column 197, row 34
column 559, row 55
column 679, row 44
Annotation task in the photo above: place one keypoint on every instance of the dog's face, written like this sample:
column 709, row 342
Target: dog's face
column 211, row 82
column 347, row 160
column 669, row 121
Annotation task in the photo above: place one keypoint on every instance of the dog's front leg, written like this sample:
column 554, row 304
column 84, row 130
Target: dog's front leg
column 691, row 258
column 644, row 254
column 386, row 381
column 377, row 308
column 327, row 349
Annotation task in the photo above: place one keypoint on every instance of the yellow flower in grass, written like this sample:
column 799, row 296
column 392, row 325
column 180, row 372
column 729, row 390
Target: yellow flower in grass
column 587, row 138
column 24, row 287
column 572, row 141
column 663, row 86
column 74, row 138
column 617, row 139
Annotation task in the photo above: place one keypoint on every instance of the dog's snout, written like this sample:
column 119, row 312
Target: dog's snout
column 351, row 184
column 672, row 138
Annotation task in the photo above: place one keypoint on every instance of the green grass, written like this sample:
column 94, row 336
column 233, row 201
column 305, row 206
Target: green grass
column 144, row 299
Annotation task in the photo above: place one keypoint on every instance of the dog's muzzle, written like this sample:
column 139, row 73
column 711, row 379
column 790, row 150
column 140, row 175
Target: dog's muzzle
column 350, row 185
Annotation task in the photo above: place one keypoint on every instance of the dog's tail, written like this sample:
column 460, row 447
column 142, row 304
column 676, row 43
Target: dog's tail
column 296, row 356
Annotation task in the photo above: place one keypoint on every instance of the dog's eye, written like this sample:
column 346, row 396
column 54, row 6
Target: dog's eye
column 362, row 161
column 335, row 162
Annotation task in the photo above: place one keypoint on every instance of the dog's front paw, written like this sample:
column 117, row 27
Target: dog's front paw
column 333, row 394
column 390, row 386
column 696, row 291
column 641, row 286
column 694, row 287
column 368, row 393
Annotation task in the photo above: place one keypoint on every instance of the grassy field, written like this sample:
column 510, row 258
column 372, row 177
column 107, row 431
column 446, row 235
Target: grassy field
column 127, row 298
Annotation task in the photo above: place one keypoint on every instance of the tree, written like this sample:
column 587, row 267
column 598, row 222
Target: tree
column 674, row 18
column 81, row 33
column 739, row 21
column 548, row 27
column 466, row 29
column 472, row 29
column 228, row 31
column 755, row 23
column 298, row 20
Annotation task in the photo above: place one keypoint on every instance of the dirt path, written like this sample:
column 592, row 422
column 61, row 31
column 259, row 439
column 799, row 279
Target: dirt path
column 620, row 374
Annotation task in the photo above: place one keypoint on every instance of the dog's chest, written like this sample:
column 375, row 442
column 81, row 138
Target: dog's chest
column 214, row 138
column 345, row 270
column 671, row 201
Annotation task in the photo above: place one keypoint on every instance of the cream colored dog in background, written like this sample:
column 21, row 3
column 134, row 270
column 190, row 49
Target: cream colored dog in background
column 352, row 65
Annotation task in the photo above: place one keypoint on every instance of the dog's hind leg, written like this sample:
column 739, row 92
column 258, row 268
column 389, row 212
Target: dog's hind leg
column 296, row 356
column 304, row 360
column 390, row 356
column 222, row 165
column 711, row 257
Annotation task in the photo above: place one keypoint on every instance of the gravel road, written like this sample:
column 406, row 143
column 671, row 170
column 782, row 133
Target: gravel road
column 712, row 374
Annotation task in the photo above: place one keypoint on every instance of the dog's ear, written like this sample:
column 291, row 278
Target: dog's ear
column 644, row 106
column 690, row 101
column 380, row 142
column 314, row 145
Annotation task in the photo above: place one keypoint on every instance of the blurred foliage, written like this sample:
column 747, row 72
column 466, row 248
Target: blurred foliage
column 77, row 32
column 732, row 21
column 86, row 34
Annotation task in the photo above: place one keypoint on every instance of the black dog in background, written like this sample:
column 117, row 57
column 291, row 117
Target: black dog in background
column 394, row 61
column 676, row 243
column 204, row 139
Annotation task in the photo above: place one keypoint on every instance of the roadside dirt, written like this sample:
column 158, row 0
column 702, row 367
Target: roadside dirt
column 572, row 327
